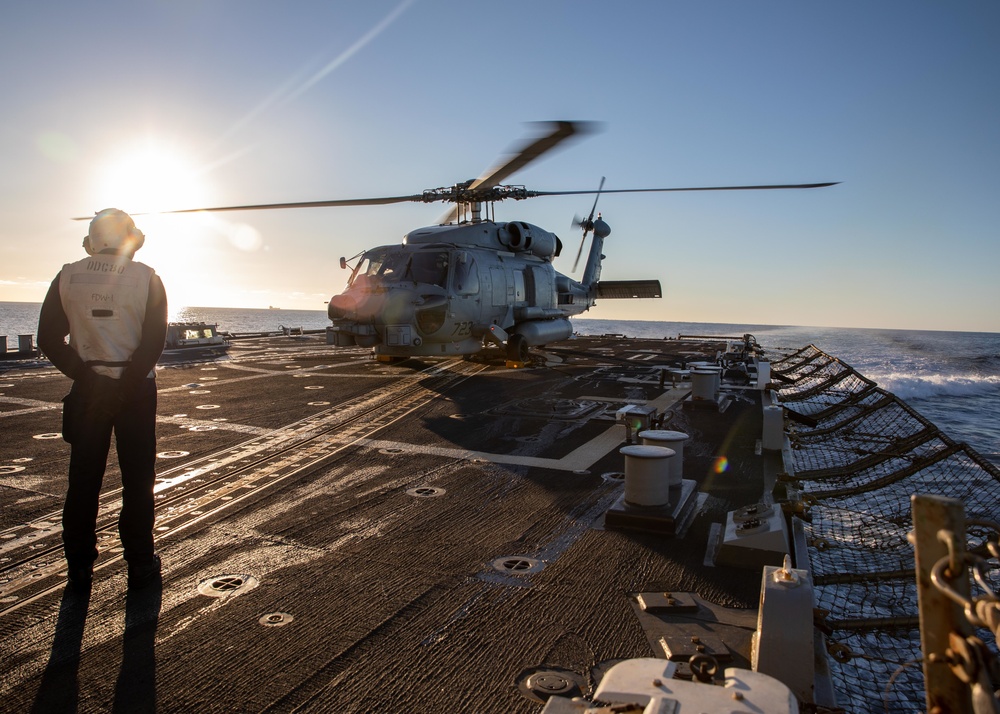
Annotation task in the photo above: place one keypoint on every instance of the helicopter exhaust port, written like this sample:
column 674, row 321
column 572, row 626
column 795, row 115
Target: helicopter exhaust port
column 524, row 237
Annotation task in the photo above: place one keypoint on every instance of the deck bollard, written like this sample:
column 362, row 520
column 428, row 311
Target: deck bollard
column 717, row 373
column 763, row 374
column 773, row 438
column 673, row 440
column 702, row 385
column 647, row 474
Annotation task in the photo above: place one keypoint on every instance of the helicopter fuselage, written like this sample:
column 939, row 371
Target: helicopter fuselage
column 450, row 290
column 453, row 288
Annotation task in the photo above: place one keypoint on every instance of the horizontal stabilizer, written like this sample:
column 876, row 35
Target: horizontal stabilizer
column 611, row 289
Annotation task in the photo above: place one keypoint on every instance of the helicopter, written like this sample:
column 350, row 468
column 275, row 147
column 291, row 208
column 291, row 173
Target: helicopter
column 470, row 282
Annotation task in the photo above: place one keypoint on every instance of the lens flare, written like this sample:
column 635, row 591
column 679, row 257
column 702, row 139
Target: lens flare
column 720, row 465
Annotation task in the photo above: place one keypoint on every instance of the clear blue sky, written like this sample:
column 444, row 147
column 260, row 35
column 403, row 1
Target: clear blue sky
column 179, row 103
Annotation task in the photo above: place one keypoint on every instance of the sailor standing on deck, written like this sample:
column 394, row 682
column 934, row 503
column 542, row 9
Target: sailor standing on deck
column 114, row 310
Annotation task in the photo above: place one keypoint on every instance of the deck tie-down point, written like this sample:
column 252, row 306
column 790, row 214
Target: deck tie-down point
column 275, row 619
column 426, row 491
column 226, row 585
column 518, row 565
column 540, row 683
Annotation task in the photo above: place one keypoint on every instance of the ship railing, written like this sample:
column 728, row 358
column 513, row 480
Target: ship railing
column 848, row 479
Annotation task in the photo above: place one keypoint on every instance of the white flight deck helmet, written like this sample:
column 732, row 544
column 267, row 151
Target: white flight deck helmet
column 113, row 231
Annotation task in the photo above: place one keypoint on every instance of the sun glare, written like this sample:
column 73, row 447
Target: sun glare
column 191, row 252
column 151, row 176
column 197, row 255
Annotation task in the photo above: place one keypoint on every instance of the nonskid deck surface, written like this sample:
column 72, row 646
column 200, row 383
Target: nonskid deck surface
column 340, row 534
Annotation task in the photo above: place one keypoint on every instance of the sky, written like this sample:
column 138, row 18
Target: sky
column 158, row 105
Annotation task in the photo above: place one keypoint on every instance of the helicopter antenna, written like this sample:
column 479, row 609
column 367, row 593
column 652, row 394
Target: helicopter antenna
column 587, row 225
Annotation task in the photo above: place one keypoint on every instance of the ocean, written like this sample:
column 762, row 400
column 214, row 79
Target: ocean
column 952, row 378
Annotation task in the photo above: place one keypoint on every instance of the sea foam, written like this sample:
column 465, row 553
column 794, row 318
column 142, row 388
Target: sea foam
column 908, row 385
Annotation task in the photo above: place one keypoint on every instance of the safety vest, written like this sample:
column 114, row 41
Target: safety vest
column 104, row 297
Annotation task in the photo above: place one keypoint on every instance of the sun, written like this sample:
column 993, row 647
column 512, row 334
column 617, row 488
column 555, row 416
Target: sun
column 195, row 254
column 151, row 175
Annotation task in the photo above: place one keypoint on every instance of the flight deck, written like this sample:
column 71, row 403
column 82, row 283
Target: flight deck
column 340, row 533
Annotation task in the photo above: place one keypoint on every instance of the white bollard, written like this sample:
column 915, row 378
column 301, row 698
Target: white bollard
column 773, row 438
column 703, row 384
column 763, row 374
column 673, row 440
column 647, row 474
column 717, row 371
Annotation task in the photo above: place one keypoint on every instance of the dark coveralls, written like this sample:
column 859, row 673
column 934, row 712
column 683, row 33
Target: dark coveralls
column 96, row 406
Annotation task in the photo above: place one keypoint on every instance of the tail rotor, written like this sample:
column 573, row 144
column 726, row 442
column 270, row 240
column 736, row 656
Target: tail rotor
column 587, row 225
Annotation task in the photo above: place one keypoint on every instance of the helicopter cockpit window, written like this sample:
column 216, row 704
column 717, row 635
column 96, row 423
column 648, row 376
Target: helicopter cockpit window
column 467, row 277
column 390, row 267
column 400, row 266
column 376, row 265
column 429, row 267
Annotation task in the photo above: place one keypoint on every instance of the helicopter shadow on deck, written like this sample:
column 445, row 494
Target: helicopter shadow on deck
column 504, row 413
column 482, row 413
column 545, row 412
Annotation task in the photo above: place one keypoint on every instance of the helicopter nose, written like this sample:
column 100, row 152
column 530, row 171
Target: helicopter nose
column 341, row 306
column 397, row 308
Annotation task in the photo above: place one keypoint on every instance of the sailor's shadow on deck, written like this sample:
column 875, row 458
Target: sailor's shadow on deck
column 135, row 690
column 59, row 689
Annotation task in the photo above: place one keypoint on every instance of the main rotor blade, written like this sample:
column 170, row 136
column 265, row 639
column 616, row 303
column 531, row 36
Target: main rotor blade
column 558, row 132
column 300, row 204
column 533, row 194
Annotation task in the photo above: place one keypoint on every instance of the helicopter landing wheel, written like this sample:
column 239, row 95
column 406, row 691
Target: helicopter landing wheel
column 517, row 349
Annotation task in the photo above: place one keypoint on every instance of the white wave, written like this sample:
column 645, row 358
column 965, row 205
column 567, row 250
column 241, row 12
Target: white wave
column 908, row 385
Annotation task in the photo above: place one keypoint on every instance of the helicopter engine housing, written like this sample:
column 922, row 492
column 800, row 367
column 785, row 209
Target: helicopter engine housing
column 523, row 237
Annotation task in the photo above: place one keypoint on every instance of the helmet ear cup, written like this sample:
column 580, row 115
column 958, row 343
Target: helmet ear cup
column 87, row 245
column 138, row 238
